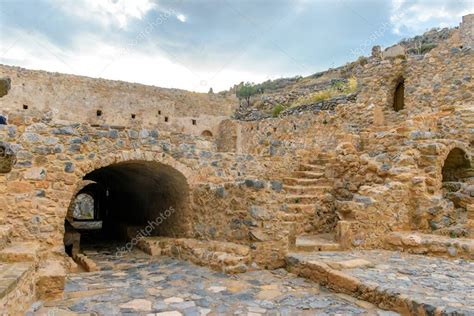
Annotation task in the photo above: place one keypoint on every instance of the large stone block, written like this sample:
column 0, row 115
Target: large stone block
column 50, row 280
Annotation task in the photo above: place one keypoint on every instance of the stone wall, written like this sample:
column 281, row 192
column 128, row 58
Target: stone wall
column 78, row 99
column 228, row 193
column 388, row 165
column 467, row 30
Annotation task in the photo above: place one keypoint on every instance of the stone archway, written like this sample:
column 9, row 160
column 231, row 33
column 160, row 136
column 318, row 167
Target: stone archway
column 206, row 133
column 456, row 166
column 457, row 182
column 136, row 196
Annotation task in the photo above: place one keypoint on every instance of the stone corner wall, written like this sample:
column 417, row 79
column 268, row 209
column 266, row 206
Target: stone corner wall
column 467, row 30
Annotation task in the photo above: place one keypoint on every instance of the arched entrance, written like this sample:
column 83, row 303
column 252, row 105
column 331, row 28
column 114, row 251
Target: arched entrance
column 206, row 133
column 128, row 197
column 399, row 95
column 457, row 175
column 456, row 166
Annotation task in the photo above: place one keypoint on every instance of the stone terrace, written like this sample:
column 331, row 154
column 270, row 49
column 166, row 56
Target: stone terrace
column 408, row 283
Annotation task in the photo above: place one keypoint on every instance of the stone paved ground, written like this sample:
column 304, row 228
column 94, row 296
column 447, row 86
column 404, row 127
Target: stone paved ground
column 428, row 280
column 148, row 285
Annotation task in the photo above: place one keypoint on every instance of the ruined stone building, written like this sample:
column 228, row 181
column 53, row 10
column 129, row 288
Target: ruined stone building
column 201, row 178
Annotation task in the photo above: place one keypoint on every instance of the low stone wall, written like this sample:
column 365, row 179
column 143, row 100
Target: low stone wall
column 325, row 105
column 433, row 245
column 221, row 256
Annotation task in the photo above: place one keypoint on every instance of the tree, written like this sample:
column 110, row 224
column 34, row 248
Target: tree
column 246, row 91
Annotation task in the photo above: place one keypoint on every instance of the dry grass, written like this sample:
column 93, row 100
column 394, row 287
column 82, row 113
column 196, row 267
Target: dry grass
column 349, row 87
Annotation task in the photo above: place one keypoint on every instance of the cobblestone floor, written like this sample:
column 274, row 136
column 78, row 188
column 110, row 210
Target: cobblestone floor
column 427, row 280
column 149, row 286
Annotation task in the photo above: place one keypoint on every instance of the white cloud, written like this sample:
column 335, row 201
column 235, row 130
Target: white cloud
column 182, row 17
column 107, row 12
column 416, row 16
column 91, row 56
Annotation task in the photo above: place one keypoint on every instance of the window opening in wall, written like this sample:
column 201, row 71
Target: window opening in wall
column 25, row 107
column 166, row 119
column 399, row 95
column 194, row 122
column 159, row 112
column 133, row 116
column 99, row 113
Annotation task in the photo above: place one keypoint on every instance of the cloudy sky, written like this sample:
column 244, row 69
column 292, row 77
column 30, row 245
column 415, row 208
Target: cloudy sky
column 198, row 44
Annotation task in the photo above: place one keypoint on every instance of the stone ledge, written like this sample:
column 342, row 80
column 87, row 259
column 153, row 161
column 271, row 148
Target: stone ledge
column 433, row 245
column 50, row 280
column 20, row 252
column 16, row 290
column 221, row 256
column 411, row 292
column 88, row 264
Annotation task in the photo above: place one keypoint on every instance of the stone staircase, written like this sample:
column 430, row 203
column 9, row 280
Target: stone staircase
column 305, row 189
column 467, row 116
column 16, row 275
column 23, row 277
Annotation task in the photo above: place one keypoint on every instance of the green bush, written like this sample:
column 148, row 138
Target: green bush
column 427, row 47
column 277, row 110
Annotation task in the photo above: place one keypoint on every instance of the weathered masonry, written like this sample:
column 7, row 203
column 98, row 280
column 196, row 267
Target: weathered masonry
column 389, row 167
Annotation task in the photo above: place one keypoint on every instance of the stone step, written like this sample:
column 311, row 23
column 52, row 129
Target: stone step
column 320, row 161
column 310, row 167
column 321, row 242
column 221, row 256
column 433, row 245
column 308, row 174
column 16, row 287
column 50, row 280
column 307, row 182
column 5, row 233
column 292, row 216
column 302, row 189
column 20, row 252
column 300, row 208
column 466, row 112
column 325, row 156
column 408, row 284
column 302, row 199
